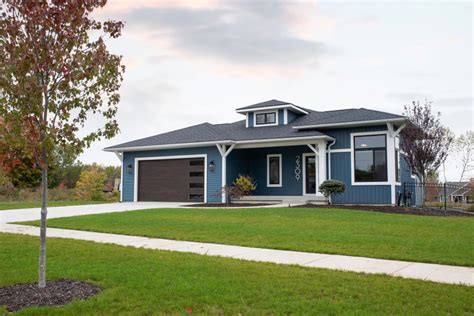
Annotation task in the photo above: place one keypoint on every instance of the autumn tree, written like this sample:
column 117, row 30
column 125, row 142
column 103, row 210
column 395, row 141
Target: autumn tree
column 55, row 72
column 425, row 140
column 90, row 185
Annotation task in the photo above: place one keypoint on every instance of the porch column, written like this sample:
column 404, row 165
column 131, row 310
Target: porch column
column 320, row 152
column 392, row 133
column 224, row 153
column 120, row 157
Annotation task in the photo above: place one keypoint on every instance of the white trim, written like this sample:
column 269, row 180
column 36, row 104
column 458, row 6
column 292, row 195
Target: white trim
column 280, row 184
column 341, row 150
column 205, row 144
column 137, row 160
column 122, row 170
column 314, row 149
column 275, row 107
column 330, row 151
column 277, row 118
column 247, row 120
column 348, row 124
column 285, row 116
column 390, row 150
column 224, row 153
column 169, row 146
column 316, row 162
column 353, row 182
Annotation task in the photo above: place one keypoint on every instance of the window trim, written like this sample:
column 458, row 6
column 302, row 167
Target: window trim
column 398, row 160
column 387, row 149
column 280, row 170
column 266, row 124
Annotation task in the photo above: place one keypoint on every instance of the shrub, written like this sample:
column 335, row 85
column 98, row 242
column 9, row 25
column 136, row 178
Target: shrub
column 90, row 185
column 330, row 187
column 246, row 184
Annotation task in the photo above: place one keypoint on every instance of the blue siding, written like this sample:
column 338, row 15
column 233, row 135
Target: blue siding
column 343, row 135
column 253, row 162
column 292, row 116
column 250, row 114
column 281, row 117
column 406, row 178
column 360, row 194
column 213, row 177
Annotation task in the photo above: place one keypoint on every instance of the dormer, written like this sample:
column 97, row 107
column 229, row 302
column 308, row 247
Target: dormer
column 270, row 113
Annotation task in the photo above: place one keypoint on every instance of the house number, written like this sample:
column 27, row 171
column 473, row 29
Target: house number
column 298, row 168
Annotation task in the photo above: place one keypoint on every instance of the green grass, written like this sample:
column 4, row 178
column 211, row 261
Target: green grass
column 145, row 282
column 447, row 240
column 31, row 204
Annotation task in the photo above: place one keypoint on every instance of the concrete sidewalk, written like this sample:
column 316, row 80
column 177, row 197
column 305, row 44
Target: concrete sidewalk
column 412, row 270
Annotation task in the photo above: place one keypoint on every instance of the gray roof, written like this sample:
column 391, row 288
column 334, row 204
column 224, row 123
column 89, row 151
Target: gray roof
column 220, row 132
column 344, row 116
column 269, row 103
column 237, row 131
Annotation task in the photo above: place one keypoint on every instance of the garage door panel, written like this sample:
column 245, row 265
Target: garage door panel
column 178, row 180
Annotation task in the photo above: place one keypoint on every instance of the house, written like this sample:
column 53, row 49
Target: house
column 460, row 192
column 289, row 150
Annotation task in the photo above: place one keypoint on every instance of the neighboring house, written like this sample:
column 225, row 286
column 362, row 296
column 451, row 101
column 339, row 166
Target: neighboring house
column 459, row 192
column 289, row 150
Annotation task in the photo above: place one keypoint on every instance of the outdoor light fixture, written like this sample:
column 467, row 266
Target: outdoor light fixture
column 211, row 165
column 129, row 168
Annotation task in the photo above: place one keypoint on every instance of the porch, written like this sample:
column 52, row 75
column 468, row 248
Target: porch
column 285, row 172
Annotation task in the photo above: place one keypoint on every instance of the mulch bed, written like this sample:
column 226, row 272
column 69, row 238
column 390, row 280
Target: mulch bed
column 56, row 293
column 229, row 205
column 390, row 209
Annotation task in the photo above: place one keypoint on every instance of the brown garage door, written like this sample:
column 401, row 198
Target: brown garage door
column 177, row 180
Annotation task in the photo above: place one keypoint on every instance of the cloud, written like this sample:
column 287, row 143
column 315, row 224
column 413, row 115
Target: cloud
column 250, row 34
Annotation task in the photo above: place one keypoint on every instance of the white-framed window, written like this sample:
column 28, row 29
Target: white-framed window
column 265, row 118
column 369, row 159
column 274, row 170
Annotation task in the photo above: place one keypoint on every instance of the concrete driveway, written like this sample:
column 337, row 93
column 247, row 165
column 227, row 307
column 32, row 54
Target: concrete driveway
column 31, row 214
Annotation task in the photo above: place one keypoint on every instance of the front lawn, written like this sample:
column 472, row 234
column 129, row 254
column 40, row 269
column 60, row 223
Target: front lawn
column 145, row 282
column 447, row 240
column 32, row 204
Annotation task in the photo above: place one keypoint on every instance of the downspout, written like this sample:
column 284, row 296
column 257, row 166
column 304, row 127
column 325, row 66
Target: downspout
column 329, row 158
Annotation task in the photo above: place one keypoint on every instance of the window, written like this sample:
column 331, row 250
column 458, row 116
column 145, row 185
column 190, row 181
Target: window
column 370, row 158
column 196, row 174
column 265, row 118
column 274, row 170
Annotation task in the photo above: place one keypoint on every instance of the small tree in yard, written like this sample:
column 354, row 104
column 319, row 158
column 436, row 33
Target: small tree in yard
column 55, row 71
column 464, row 148
column 330, row 187
column 90, row 185
column 425, row 141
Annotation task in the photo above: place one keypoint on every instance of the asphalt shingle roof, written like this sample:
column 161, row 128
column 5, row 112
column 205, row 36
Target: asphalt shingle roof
column 238, row 132
column 269, row 103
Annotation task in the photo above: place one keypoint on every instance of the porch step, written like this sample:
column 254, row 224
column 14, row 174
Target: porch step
column 292, row 200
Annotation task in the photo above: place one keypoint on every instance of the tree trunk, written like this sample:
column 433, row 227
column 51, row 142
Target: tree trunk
column 44, row 213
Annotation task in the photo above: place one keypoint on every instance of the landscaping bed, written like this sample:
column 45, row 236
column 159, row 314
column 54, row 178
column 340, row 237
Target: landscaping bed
column 56, row 293
column 391, row 209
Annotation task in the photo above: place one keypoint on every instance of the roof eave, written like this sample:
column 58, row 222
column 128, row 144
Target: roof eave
column 273, row 107
column 351, row 124
column 205, row 144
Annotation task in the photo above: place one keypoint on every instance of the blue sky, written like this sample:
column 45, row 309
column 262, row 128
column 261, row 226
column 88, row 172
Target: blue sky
column 192, row 62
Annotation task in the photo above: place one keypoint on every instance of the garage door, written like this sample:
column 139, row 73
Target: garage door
column 176, row 180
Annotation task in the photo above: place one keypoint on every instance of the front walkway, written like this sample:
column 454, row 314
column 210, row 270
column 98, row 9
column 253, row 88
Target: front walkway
column 412, row 270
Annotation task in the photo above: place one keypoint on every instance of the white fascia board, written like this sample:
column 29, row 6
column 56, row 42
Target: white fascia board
column 275, row 107
column 169, row 146
column 350, row 124
column 226, row 142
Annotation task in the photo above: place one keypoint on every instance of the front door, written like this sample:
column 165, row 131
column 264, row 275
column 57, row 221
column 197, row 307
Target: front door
column 310, row 174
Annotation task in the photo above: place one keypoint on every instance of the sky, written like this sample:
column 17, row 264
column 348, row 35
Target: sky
column 190, row 62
